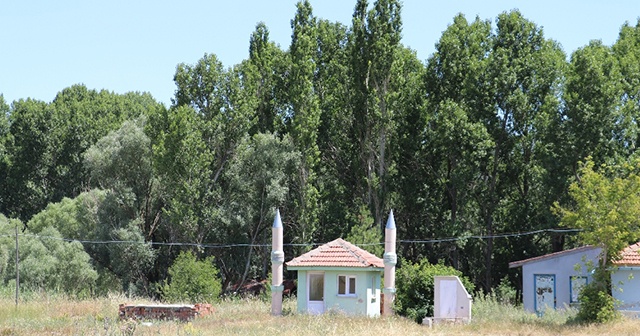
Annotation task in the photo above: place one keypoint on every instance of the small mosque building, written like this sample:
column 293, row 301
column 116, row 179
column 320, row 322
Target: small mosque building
column 338, row 276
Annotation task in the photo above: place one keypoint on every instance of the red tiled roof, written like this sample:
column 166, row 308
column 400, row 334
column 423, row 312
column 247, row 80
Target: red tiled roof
column 550, row 255
column 337, row 253
column 630, row 256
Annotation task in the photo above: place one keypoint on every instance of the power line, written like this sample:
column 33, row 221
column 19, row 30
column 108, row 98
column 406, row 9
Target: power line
column 499, row 235
column 421, row 241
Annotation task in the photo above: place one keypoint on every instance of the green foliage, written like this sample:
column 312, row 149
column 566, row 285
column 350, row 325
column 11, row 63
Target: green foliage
column 46, row 261
column 192, row 280
column 490, row 310
column 121, row 161
column 607, row 209
column 260, row 179
column 194, row 142
column 596, row 303
column 5, row 144
column 481, row 139
column 261, row 71
column 131, row 258
column 306, row 118
column 46, row 144
column 30, row 152
column 98, row 215
column 7, row 246
column 198, row 85
column 414, row 287
column 365, row 234
column 505, row 293
column 186, row 165
column 592, row 105
column 373, row 49
column 107, row 283
column 75, row 218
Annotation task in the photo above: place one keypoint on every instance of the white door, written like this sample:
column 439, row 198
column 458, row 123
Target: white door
column 315, row 293
column 545, row 292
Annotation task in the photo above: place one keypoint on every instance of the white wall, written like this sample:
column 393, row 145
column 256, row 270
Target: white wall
column 563, row 267
column 451, row 299
column 625, row 282
column 365, row 302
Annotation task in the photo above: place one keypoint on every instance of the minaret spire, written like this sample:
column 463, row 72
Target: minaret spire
column 277, row 261
column 390, row 259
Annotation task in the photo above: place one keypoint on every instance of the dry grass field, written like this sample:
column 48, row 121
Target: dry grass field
column 58, row 316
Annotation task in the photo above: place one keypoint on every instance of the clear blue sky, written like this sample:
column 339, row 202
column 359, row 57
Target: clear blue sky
column 135, row 45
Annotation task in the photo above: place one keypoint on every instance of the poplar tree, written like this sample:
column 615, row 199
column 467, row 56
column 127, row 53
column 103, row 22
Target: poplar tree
column 521, row 85
column 375, row 40
column 306, row 116
column 263, row 74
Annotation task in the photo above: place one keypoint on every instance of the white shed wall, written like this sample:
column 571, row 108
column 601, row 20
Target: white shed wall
column 563, row 267
column 625, row 282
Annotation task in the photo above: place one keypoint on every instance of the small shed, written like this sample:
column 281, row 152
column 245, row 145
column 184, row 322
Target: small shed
column 451, row 301
column 338, row 276
column 625, row 279
column 554, row 280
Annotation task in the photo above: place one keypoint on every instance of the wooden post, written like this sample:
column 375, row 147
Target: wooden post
column 390, row 259
column 277, row 261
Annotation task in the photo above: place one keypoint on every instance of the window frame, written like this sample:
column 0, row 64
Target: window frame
column 349, row 290
column 572, row 289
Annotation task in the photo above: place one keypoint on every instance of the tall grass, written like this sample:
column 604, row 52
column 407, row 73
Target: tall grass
column 488, row 309
column 40, row 314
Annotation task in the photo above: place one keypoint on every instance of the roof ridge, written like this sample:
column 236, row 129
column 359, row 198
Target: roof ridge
column 337, row 253
column 519, row 263
column 629, row 256
column 353, row 251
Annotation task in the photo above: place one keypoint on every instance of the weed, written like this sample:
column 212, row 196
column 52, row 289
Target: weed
column 491, row 316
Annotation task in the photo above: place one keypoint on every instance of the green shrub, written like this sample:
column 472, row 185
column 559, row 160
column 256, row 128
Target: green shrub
column 414, row 287
column 107, row 283
column 192, row 280
column 46, row 263
column 504, row 293
column 596, row 303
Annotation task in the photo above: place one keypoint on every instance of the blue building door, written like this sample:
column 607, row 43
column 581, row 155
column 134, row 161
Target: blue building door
column 544, row 292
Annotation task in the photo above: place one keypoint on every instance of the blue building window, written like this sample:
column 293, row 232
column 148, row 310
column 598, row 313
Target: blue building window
column 576, row 283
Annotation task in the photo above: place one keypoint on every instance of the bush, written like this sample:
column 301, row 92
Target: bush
column 504, row 293
column 131, row 261
column 192, row 280
column 414, row 287
column 107, row 283
column 596, row 303
column 46, row 262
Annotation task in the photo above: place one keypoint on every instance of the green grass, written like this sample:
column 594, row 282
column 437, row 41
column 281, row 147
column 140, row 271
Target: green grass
column 55, row 315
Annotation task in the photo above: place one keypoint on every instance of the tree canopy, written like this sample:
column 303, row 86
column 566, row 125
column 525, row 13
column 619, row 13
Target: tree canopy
column 343, row 124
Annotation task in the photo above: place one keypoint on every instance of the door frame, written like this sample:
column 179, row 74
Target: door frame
column 315, row 307
column 535, row 294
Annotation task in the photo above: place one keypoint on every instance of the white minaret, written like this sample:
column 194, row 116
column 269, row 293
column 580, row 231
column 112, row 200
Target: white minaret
column 390, row 259
column 277, row 261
